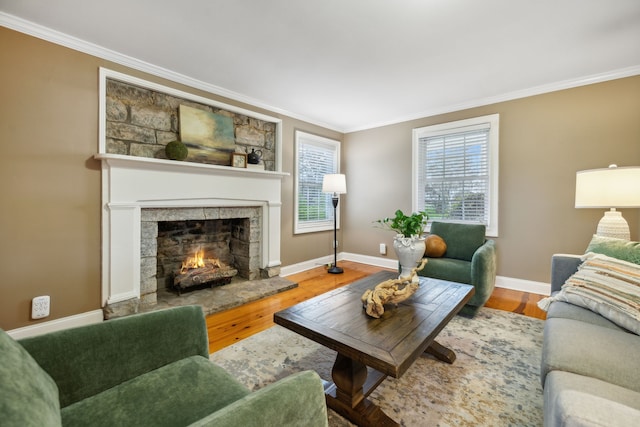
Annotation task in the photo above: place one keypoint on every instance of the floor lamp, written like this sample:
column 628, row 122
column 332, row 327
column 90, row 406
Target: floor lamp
column 336, row 184
column 611, row 187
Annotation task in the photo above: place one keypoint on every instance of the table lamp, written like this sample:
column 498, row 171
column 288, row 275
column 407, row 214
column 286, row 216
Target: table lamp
column 336, row 184
column 612, row 187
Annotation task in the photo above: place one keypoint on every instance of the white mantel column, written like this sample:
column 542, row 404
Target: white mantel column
column 271, row 242
column 121, row 269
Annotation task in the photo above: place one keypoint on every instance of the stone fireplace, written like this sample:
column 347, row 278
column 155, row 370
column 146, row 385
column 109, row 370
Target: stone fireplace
column 171, row 235
column 140, row 193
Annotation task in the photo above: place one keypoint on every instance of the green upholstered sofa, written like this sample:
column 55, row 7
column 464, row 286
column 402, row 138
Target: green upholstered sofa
column 149, row 369
column 470, row 258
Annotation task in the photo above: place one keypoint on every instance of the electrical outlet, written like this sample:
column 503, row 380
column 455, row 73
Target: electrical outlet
column 383, row 249
column 335, row 244
column 40, row 307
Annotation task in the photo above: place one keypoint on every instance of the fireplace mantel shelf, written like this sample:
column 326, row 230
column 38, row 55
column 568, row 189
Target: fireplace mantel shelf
column 159, row 164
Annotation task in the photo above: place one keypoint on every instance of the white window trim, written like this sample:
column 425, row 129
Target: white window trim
column 312, row 227
column 494, row 132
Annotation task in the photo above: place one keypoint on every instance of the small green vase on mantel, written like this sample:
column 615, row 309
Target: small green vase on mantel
column 176, row 150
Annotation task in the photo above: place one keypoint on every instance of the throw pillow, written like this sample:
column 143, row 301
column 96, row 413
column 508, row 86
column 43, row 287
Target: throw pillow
column 29, row 395
column 616, row 248
column 435, row 246
column 607, row 286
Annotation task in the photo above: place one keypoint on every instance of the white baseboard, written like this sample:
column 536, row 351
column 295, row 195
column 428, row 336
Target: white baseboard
column 522, row 285
column 513, row 283
column 372, row 260
column 95, row 316
column 306, row 265
column 342, row 256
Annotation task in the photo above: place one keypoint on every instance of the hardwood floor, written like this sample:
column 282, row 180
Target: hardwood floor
column 230, row 326
column 516, row 302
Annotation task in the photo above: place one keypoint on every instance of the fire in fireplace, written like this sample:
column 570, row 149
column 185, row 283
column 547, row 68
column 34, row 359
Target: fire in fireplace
column 200, row 271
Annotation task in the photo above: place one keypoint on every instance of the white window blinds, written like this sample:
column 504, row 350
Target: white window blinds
column 455, row 172
column 316, row 157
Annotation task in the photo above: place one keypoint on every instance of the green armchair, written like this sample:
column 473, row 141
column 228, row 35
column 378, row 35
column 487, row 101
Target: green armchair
column 149, row 369
column 470, row 259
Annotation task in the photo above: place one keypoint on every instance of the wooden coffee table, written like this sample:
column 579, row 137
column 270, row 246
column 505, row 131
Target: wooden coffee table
column 371, row 349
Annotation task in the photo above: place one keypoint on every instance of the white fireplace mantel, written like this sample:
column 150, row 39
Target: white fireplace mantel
column 130, row 184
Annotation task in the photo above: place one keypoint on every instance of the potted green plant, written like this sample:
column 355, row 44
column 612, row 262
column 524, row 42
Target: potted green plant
column 409, row 242
column 407, row 225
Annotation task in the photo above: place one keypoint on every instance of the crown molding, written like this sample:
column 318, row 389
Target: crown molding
column 47, row 34
column 30, row 28
column 537, row 90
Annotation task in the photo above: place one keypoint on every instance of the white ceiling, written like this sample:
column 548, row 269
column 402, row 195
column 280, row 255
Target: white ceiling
column 355, row 64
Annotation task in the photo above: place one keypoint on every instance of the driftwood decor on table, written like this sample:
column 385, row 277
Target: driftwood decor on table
column 392, row 291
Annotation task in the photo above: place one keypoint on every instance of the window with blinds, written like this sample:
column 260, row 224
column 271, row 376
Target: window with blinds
column 316, row 156
column 455, row 171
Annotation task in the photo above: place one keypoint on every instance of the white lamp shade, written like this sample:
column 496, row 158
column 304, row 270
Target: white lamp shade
column 611, row 187
column 334, row 183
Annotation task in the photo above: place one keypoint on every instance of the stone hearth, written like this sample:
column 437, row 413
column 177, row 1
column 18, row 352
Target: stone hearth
column 220, row 298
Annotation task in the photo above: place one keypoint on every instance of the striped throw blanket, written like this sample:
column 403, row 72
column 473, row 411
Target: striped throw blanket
column 607, row 286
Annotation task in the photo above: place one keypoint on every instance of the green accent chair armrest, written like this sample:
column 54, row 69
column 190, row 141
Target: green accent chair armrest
column 297, row 400
column 483, row 273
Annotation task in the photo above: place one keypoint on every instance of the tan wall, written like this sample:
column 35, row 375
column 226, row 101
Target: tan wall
column 50, row 225
column 50, row 216
column 50, row 186
column 544, row 140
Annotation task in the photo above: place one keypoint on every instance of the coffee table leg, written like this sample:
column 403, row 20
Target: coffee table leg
column 441, row 352
column 349, row 376
column 346, row 395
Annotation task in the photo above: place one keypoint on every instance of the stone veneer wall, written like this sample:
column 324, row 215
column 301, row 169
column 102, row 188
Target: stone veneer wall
column 244, row 241
column 140, row 122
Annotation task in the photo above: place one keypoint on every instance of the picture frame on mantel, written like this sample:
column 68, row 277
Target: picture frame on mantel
column 238, row 160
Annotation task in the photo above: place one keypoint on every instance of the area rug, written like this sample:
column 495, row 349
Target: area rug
column 494, row 381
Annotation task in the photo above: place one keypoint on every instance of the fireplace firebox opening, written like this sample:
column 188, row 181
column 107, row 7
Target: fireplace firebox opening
column 199, row 253
column 227, row 236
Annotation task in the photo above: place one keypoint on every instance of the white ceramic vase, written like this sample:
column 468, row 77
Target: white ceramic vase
column 409, row 251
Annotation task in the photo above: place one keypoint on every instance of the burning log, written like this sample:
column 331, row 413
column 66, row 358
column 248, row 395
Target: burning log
column 197, row 271
column 203, row 276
